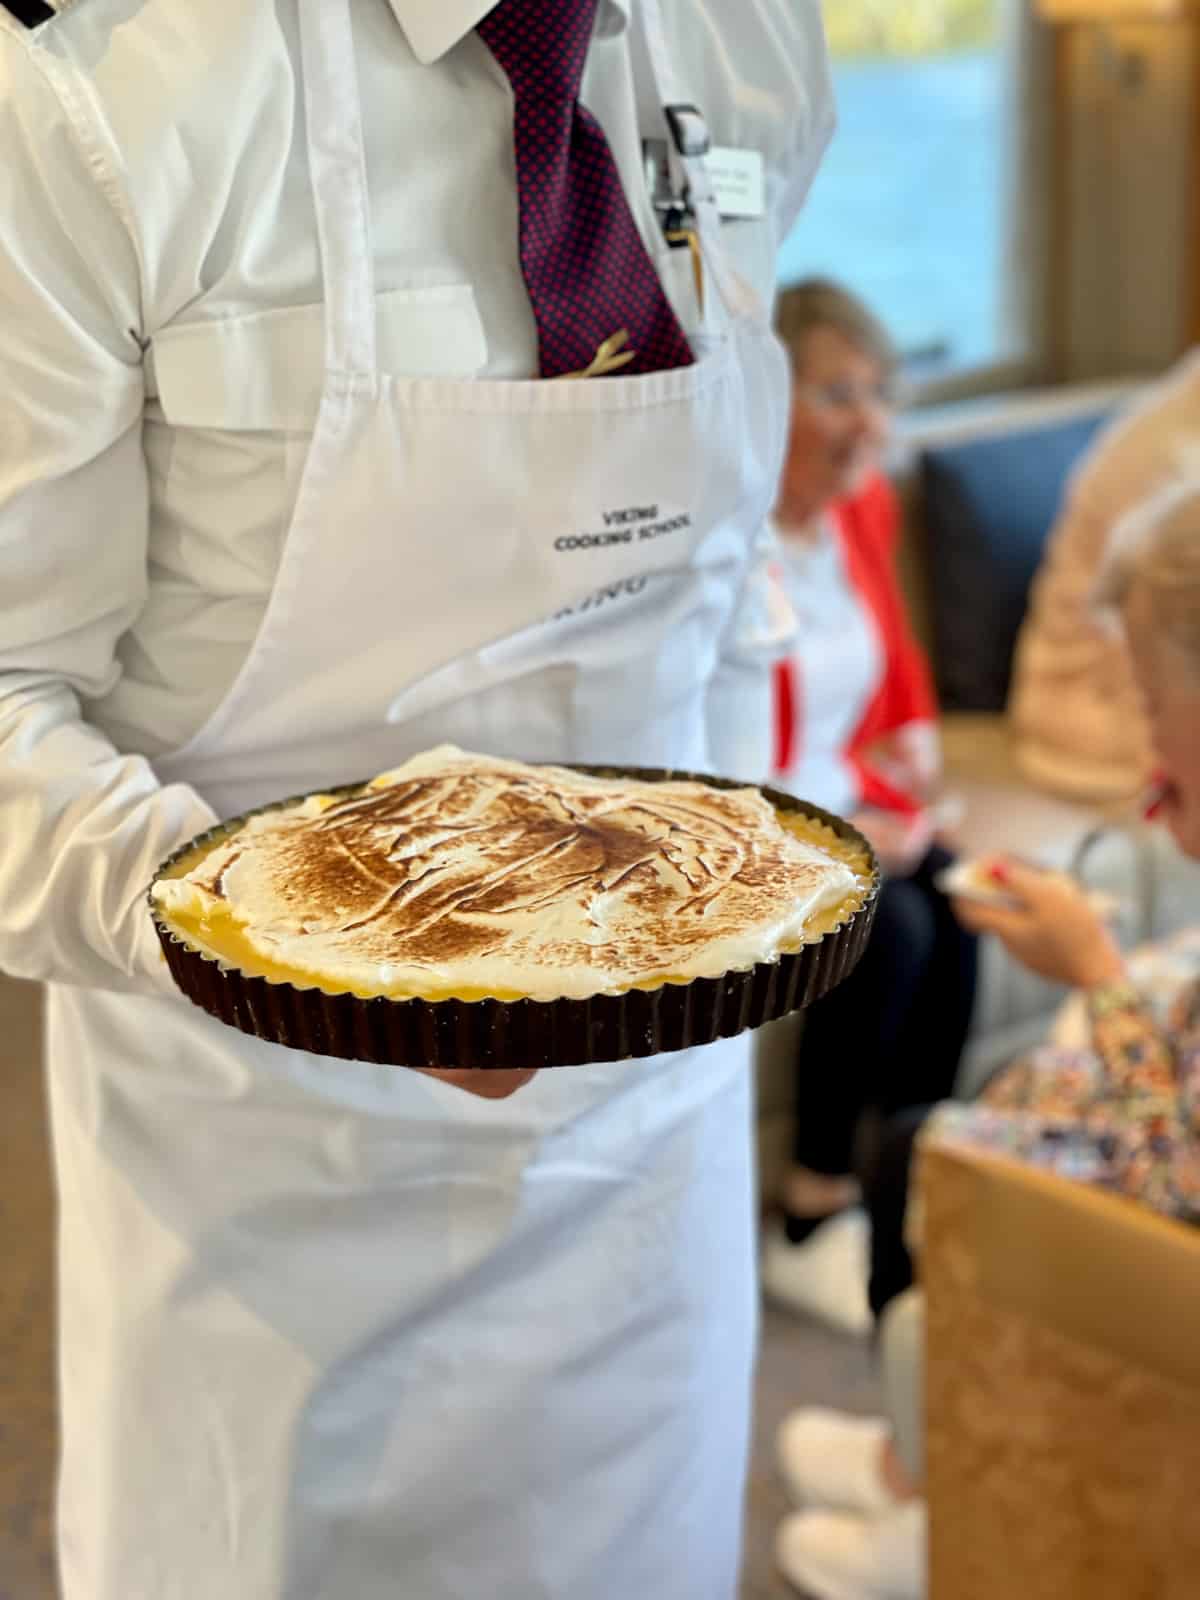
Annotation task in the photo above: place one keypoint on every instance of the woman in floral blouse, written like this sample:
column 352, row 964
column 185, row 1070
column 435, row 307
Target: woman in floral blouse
column 1123, row 1114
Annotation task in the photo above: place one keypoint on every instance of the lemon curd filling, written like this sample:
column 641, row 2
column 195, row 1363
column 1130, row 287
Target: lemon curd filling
column 218, row 929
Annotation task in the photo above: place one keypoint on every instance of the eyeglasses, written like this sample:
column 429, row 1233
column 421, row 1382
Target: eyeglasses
column 845, row 396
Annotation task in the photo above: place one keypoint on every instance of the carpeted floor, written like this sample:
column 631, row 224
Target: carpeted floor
column 27, row 1441
column 799, row 1362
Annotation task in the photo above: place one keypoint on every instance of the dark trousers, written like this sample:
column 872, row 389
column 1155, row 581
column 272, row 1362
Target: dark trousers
column 885, row 1189
column 891, row 1035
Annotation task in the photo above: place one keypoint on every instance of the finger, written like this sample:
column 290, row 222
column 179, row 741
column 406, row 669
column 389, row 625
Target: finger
column 1004, row 921
column 1031, row 886
column 489, row 1083
column 1046, row 893
column 972, row 914
column 1027, row 883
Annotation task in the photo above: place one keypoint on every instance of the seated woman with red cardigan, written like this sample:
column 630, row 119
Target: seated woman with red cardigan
column 856, row 732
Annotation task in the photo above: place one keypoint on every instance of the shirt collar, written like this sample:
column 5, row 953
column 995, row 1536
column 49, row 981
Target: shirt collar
column 433, row 27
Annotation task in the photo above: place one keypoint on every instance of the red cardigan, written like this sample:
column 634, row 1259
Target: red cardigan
column 868, row 524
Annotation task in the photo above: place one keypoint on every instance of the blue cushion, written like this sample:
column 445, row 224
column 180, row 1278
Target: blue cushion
column 988, row 506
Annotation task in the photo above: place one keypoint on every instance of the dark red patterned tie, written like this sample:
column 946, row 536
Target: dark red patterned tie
column 585, row 266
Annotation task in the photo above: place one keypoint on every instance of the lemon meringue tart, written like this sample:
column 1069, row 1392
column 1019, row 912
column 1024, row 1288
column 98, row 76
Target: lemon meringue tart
column 467, row 910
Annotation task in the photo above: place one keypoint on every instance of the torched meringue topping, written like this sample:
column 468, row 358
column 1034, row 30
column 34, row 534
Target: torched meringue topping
column 462, row 873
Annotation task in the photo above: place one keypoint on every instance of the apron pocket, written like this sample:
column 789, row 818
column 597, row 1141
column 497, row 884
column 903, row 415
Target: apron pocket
column 265, row 371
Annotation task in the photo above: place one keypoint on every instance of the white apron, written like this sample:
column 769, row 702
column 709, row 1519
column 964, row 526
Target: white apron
column 333, row 1331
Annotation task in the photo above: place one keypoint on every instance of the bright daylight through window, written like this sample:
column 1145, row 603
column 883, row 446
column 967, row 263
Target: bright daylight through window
column 912, row 205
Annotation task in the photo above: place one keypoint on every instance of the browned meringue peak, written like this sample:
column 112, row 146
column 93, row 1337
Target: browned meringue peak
column 462, row 871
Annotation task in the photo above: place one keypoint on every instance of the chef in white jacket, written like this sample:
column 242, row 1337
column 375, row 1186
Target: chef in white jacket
column 293, row 483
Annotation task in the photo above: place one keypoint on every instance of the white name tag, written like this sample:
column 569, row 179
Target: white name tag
column 738, row 180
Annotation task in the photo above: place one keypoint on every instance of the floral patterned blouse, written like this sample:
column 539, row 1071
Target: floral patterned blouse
column 1125, row 1114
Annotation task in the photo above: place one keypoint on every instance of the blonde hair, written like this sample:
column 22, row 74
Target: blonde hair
column 821, row 303
column 1157, row 549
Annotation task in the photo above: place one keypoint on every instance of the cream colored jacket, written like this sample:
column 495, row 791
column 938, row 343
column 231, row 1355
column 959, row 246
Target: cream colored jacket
column 1078, row 725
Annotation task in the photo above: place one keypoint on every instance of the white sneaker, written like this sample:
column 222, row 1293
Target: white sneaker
column 834, row 1555
column 825, row 1276
column 831, row 1460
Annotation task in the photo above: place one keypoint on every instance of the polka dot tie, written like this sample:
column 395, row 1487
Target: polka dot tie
column 588, row 273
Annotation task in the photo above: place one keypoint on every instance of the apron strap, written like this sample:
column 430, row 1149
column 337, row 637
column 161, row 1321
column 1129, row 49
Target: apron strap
column 338, row 173
column 740, row 298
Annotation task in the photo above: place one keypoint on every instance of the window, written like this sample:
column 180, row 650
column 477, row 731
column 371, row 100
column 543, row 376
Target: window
column 913, row 206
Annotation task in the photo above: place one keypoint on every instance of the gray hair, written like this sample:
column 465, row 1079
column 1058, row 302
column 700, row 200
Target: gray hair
column 821, row 303
column 1157, row 548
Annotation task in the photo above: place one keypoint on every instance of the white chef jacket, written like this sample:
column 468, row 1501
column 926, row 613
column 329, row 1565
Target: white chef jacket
column 160, row 363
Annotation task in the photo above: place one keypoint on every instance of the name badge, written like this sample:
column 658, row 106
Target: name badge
column 738, row 180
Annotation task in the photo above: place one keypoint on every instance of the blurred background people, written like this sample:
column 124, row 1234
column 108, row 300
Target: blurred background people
column 1079, row 728
column 1122, row 1113
column 856, row 732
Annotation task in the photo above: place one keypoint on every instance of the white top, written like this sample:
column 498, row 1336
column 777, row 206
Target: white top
column 838, row 662
column 161, row 345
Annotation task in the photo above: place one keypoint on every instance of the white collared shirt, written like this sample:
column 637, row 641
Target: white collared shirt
column 161, row 336
column 432, row 30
